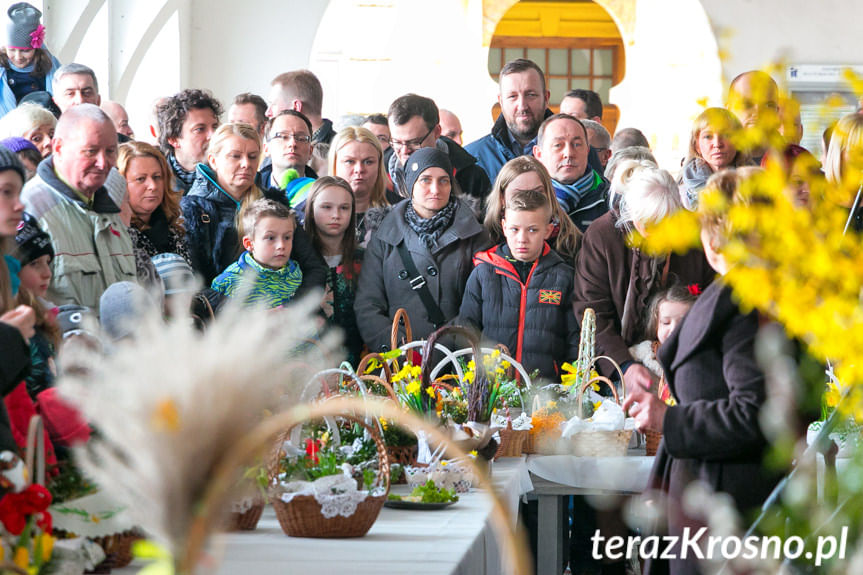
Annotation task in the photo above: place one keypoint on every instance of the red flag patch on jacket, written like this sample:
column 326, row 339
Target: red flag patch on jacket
column 549, row 296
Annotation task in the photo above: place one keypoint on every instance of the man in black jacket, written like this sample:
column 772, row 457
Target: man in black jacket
column 415, row 123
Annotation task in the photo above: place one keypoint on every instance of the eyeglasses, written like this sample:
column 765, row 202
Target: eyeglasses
column 410, row 144
column 298, row 138
column 383, row 139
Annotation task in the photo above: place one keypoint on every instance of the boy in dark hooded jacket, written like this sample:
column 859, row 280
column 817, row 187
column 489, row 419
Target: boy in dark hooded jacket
column 520, row 292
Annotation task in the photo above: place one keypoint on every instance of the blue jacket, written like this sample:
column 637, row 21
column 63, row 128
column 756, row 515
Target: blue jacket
column 210, row 214
column 7, row 98
column 492, row 151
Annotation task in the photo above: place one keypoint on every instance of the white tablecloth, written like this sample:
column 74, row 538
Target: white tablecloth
column 623, row 474
column 456, row 540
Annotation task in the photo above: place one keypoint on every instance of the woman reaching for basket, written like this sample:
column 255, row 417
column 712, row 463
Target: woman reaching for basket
column 713, row 433
column 421, row 255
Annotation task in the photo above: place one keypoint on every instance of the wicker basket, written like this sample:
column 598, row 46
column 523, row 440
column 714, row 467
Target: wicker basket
column 512, row 442
column 302, row 517
column 651, row 441
column 600, row 443
column 118, row 550
column 404, row 455
column 247, row 520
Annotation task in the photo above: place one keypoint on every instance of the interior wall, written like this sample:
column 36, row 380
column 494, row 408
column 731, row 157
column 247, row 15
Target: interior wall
column 240, row 46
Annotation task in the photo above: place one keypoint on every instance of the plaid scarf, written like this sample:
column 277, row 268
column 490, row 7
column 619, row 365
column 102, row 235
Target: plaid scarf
column 430, row 229
column 187, row 178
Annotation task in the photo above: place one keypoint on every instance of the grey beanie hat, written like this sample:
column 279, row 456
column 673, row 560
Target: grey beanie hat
column 9, row 161
column 24, row 31
column 420, row 161
column 121, row 308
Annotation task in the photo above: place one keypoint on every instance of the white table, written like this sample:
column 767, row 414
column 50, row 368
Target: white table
column 456, row 540
column 557, row 476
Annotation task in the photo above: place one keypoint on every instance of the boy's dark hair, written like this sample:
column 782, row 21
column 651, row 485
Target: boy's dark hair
column 173, row 111
column 289, row 112
column 592, row 101
column 406, row 107
column 377, row 119
column 265, row 208
column 527, row 201
column 255, row 100
column 522, row 65
column 675, row 293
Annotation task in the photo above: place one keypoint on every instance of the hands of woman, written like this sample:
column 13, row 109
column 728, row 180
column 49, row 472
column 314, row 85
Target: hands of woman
column 647, row 409
column 23, row 318
column 637, row 378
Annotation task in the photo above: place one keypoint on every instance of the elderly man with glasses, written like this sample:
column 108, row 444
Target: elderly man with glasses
column 415, row 123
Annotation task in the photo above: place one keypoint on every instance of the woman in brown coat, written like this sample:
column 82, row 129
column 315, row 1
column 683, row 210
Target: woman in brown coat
column 712, row 434
column 616, row 280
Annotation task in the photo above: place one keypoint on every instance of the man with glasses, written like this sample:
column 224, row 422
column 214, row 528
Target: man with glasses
column 415, row 123
column 289, row 145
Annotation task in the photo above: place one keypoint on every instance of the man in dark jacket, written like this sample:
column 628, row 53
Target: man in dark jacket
column 415, row 123
column 563, row 148
column 288, row 145
column 301, row 90
column 523, row 99
column 187, row 120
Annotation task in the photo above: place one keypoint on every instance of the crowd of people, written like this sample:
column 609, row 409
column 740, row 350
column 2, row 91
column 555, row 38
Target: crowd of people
column 515, row 234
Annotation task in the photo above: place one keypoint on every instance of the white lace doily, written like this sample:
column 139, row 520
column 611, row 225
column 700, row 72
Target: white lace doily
column 336, row 494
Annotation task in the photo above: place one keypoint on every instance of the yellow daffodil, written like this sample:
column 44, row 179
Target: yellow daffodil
column 430, row 392
column 469, row 376
column 22, row 557
column 413, row 387
column 325, row 437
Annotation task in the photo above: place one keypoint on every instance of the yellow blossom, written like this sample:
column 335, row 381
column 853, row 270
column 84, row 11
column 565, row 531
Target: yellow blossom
column 45, row 543
column 469, row 376
column 413, row 387
column 325, row 437
column 473, row 453
column 22, row 557
column 430, row 392
column 384, row 423
column 831, row 398
column 166, row 416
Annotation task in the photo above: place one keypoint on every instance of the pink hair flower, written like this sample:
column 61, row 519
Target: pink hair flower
column 37, row 36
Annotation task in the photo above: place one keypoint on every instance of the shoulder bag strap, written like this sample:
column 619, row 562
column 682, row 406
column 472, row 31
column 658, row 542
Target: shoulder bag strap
column 418, row 284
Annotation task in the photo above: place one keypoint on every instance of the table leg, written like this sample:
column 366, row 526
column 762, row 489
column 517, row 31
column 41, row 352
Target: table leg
column 550, row 525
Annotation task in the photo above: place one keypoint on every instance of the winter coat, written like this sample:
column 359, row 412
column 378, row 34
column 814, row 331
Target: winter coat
column 534, row 320
column 385, row 285
column 257, row 284
column 91, row 244
column 325, row 133
column 713, row 433
column 210, row 215
column 470, row 177
column 14, row 366
column 7, row 98
column 493, row 150
column 617, row 282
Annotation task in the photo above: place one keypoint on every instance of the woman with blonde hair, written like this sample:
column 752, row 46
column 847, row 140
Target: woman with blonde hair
column 157, row 224
column 223, row 190
column 843, row 166
column 356, row 156
column 710, row 150
column 527, row 173
column 31, row 122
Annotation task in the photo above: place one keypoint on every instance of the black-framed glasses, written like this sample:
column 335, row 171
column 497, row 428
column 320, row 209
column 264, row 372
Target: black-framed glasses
column 287, row 136
column 410, row 144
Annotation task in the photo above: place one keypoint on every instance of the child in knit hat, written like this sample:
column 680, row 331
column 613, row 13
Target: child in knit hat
column 265, row 272
column 34, row 252
column 26, row 151
column 25, row 64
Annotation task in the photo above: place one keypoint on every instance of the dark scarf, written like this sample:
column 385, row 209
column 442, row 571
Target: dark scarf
column 429, row 230
column 570, row 195
column 188, row 178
